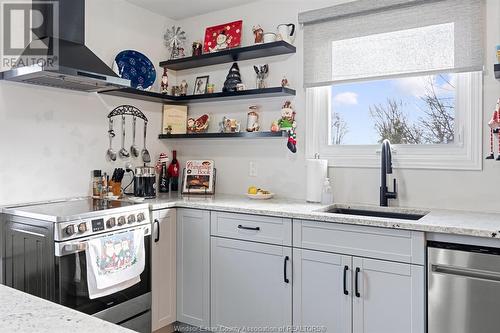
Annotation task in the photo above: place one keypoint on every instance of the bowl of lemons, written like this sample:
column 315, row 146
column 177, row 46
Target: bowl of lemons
column 258, row 193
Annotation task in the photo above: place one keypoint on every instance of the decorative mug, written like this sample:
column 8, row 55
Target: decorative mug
column 229, row 125
column 269, row 37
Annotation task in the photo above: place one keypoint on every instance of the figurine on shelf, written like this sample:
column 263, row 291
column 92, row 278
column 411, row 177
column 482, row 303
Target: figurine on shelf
column 232, row 78
column 199, row 125
column 494, row 125
column 197, row 49
column 288, row 123
column 284, row 82
column 275, row 127
column 262, row 73
column 210, row 88
column 164, row 82
column 176, row 91
column 183, row 88
column 258, row 33
column 253, row 119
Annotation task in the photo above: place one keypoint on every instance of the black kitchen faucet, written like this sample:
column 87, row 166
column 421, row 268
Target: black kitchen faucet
column 386, row 168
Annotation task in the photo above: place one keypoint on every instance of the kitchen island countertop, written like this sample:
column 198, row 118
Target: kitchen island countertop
column 22, row 312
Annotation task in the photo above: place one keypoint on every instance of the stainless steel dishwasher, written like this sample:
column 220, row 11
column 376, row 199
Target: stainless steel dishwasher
column 463, row 288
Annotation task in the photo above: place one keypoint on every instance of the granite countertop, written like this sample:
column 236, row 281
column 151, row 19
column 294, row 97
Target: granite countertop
column 22, row 312
column 435, row 220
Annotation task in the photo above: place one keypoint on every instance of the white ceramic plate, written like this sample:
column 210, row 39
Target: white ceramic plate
column 260, row 196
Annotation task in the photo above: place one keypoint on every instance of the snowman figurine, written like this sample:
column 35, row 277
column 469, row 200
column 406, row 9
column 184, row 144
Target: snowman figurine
column 223, row 42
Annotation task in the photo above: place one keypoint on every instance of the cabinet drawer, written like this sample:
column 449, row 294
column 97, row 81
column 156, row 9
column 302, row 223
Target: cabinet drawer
column 272, row 230
column 373, row 242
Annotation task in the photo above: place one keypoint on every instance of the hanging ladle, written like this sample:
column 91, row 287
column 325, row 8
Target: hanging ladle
column 111, row 153
column 133, row 149
column 123, row 152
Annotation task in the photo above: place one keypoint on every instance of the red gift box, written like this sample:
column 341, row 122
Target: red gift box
column 223, row 36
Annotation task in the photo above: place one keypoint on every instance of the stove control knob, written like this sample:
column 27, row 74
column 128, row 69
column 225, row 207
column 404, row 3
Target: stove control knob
column 111, row 222
column 121, row 220
column 70, row 230
column 140, row 217
column 82, row 227
column 131, row 218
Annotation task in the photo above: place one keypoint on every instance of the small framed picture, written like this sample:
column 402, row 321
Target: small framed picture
column 200, row 85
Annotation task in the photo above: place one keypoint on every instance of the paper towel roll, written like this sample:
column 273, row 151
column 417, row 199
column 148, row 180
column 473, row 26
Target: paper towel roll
column 317, row 171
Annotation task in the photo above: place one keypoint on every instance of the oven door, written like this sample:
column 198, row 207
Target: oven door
column 72, row 289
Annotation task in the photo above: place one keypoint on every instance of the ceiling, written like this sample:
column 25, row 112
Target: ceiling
column 180, row 9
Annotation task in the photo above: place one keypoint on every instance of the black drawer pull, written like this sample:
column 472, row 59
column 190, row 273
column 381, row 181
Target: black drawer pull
column 346, row 268
column 248, row 228
column 356, row 282
column 157, row 238
column 285, row 277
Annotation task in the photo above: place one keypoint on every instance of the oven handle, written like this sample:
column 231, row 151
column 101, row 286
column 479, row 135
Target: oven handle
column 70, row 247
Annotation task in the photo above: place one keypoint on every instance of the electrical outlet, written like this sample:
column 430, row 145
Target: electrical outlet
column 252, row 169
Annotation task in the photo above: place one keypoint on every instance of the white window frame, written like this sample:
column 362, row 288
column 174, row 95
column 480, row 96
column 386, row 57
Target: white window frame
column 465, row 154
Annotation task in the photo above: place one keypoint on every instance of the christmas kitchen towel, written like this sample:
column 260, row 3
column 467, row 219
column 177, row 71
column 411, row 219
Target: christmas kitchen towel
column 115, row 262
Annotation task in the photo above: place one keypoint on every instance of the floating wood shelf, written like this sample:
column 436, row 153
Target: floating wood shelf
column 247, row 135
column 230, row 55
column 497, row 71
column 215, row 97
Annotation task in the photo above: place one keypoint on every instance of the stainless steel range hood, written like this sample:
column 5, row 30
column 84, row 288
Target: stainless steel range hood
column 77, row 67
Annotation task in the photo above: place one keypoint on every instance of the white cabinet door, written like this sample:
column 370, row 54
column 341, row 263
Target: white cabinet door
column 251, row 285
column 163, row 268
column 322, row 292
column 389, row 297
column 193, row 267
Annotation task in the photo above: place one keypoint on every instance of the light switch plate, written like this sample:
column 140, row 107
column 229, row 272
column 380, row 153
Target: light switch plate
column 252, row 169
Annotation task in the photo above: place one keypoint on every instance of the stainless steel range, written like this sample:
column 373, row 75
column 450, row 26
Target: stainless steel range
column 44, row 253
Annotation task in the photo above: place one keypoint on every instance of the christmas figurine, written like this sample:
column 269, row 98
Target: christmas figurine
column 164, row 82
column 288, row 123
column 494, row 125
column 232, row 78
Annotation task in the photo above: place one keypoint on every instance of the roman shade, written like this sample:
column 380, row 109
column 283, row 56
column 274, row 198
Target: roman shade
column 366, row 39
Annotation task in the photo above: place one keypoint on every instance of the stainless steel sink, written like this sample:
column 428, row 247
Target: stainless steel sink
column 377, row 213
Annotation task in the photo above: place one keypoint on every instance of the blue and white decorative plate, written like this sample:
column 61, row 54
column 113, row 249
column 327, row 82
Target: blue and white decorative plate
column 136, row 67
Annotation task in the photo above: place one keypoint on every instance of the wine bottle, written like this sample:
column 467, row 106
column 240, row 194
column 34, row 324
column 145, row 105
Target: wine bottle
column 164, row 178
column 173, row 172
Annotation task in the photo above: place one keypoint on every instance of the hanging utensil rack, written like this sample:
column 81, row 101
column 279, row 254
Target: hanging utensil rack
column 127, row 110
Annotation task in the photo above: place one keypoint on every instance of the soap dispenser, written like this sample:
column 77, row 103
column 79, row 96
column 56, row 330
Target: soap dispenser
column 327, row 193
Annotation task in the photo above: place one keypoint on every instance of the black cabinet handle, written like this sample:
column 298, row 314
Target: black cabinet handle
column 346, row 268
column 248, row 228
column 356, row 282
column 157, row 238
column 285, row 277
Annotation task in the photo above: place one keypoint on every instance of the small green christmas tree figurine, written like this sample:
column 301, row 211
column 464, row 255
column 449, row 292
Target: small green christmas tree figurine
column 232, row 78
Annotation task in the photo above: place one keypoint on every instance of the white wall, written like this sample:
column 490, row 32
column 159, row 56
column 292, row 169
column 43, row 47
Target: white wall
column 284, row 173
column 277, row 169
column 51, row 139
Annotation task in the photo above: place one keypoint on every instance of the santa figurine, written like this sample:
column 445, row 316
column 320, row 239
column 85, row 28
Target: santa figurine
column 494, row 125
column 223, row 42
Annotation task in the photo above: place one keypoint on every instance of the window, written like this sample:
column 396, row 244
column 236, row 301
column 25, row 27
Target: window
column 410, row 110
column 406, row 70
column 433, row 121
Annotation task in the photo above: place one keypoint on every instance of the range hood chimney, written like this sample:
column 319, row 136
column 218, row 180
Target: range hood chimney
column 69, row 63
